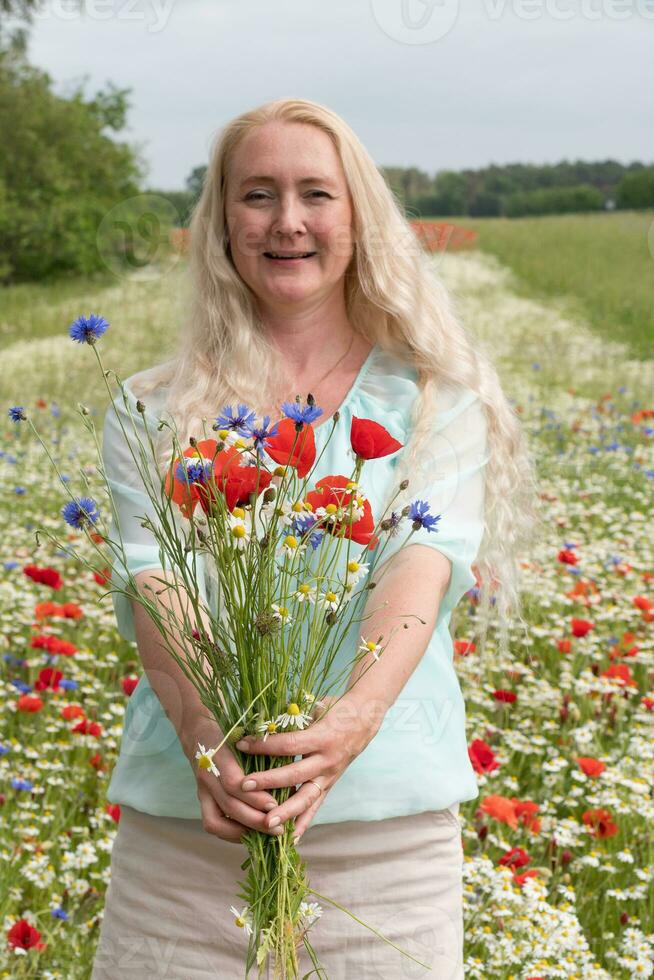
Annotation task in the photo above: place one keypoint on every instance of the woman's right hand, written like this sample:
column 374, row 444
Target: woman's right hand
column 227, row 810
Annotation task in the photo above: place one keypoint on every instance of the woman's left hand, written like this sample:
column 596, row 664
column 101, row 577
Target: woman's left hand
column 328, row 746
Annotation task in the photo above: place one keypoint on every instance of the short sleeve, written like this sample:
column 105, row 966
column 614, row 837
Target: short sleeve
column 123, row 429
column 450, row 477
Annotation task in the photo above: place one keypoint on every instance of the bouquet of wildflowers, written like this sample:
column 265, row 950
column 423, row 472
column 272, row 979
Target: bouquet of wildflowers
column 290, row 559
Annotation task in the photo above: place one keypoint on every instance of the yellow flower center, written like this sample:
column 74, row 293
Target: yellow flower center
column 298, row 506
column 240, row 921
column 283, row 611
column 238, row 531
column 353, row 566
column 293, row 709
column 223, row 433
column 240, row 443
column 204, row 762
column 330, row 596
column 238, row 512
column 331, row 509
column 371, row 645
column 307, row 505
column 271, row 727
column 351, row 485
column 279, row 471
column 305, row 589
column 290, row 541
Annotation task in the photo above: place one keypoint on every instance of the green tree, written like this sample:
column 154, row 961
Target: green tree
column 636, row 190
column 60, row 172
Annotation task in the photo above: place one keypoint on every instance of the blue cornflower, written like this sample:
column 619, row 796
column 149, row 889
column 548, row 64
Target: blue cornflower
column 4, row 749
column 240, row 422
column 21, row 686
column 17, row 783
column 55, row 411
column 59, row 913
column 87, row 330
column 420, row 516
column 80, row 513
column 10, row 565
column 194, row 470
column 301, row 413
column 20, row 491
column 303, row 523
column 67, row 684
column 262, row 433
column 17, row 414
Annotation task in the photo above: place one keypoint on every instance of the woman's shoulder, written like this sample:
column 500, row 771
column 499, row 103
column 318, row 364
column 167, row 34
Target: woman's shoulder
column 149, row 385
column 392, row 385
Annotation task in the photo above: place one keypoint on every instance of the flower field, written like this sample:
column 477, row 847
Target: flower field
column 559, row 847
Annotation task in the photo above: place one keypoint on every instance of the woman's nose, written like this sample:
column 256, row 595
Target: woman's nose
column 288, row 217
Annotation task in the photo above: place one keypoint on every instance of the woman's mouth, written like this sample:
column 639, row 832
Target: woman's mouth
column 294, row 258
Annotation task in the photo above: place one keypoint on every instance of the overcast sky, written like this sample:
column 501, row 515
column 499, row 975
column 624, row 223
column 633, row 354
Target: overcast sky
column 436, row 84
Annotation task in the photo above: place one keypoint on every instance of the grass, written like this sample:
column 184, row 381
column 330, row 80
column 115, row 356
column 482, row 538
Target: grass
column 599, row 267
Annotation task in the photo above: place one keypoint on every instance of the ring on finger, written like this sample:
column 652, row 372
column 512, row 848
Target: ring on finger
column 315, row 784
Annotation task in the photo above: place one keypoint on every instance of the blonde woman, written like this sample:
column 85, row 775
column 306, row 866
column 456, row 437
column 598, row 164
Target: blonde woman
column 306, row 277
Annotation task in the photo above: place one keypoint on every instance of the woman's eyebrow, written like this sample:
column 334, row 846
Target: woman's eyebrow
column 260, row 178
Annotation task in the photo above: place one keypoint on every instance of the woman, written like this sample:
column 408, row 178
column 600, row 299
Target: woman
column 356, row 317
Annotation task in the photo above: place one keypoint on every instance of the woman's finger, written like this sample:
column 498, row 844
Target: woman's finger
column 304, row 820
column 235, row 808
column 306, row 796
column 310, row 739
column 232, row 776
column 289, row 775
column 214, row 821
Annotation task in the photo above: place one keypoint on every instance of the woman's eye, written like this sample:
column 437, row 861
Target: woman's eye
column 258, row 195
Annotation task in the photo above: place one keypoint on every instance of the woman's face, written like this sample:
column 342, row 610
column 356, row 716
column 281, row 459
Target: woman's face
column 287, row 193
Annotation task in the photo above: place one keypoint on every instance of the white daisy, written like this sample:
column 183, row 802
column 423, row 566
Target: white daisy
column 369, row 646
column 239, row 532
column 291, row 546
column 310, row 911
column 355, row 571
column 329, row 599
column 266, row 728
column 205, row 759
column 305, row 593
column 293, row 717
column 242, row 919
column 285, row 512
column 282, row 614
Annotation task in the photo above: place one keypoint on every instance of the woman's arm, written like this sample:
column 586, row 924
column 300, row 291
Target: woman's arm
column 191, row 719
column 413, row 584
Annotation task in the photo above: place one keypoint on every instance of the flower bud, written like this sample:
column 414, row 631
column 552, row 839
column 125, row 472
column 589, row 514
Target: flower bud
column 140, row 407
column 404, row 484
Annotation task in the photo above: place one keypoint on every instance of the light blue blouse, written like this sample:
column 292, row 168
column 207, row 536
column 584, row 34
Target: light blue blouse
column 418, row 759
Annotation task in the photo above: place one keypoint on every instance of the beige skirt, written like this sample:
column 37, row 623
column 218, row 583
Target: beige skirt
column 167, row 909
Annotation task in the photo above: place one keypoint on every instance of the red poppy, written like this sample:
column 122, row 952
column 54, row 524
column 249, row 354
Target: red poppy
column 44, row 576
column 580, row 627
column 128, row 685
column 590, row 766
column 567, row 556
column 464, row 647
column 601, row 822
column 103, row 577
column 331, row 490
column 370, row 440
column 29, row 703
column 185, row 494
column 70, row 711
column 501, row 808
column 86, row 727
column 24, row 936
column 643, row 603
column 515, row 858
column 521, row 878
column 482, row 756
column 48, row 679
column 53, row 645
column 292, row 448
column 96, row 761
column 507, row 696
column 621, row 673
column 526, row 811
column 241, row 481
column 113, row 809
column 648, row 703
column 564, row 646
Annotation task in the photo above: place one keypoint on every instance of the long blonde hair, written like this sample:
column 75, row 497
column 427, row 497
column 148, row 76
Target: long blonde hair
column 393, row 298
